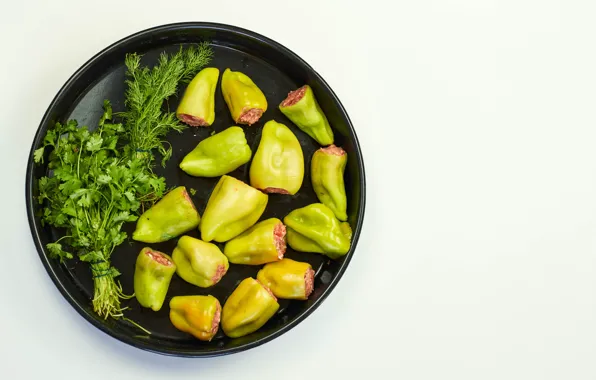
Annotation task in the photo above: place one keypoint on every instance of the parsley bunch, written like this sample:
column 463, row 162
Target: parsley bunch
column 91, row 191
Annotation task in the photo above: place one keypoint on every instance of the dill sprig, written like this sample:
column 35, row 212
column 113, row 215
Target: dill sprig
column 147, row 89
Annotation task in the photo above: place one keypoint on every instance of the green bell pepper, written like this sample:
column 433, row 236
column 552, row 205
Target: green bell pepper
column 278, row 164
column 288, row 279
column 232, row 208
column 248, row 308
column 197, row 107
column 327, row 176
column 196, row 315
column 245, row 100
column 153, row 273
column 217, row 155
column 171, row 216
column 262, row 243
column 314, row 228
column 302, row 108
column 199, row 263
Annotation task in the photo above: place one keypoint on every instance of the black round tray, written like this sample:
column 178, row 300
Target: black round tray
column 276, row 70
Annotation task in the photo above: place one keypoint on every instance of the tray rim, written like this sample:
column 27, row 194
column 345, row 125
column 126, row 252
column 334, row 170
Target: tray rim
column 46, row 261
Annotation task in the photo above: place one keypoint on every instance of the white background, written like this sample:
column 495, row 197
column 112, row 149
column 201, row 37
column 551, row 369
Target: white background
column 477, row 122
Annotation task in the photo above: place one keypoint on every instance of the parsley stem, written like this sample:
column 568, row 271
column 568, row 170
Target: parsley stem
column 63, row 237
column 79, row 160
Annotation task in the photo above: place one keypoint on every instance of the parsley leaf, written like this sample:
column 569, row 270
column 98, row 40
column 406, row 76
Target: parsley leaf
column 38, row 155
column 94, row 143
column 92, row 256
column 124, row 216
column 70, row 186
column 56, row 251
column 104, row 179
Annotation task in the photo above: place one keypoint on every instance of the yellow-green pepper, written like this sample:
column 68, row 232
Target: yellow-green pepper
column 199, row 263
column 248, row 308
column 327, row 176
column 232, row 208
column 314, row 228
column 217, row 155
column 153, row 273
column 244, row 98
column 278, row 164
column 288, row 279
column 302, row 108
column 197, row 107
column 196, row 315
column 171, row 216
column 262, row 243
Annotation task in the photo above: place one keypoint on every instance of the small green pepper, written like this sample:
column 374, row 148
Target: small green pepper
column 232, row 208
column 153, row 273
column 314, row 228
column 196, row 315
column 288, row 279
column 278, row 164
column 302, row 108
column 217, row 155
column 248, row 308
column 262, row 243
column 171, row 216
column 199, row 263
column 197, row 107
column 245, row 100
column 327, row 176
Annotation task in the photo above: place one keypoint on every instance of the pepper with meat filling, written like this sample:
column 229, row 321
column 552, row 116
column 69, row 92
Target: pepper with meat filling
column 314, row 228
column 196, row 315
column 327, row 177
column 288, row 279
column 152, row 277
column 248, row 308
column 171, row 216
column 302, row 108
column 244, row 98
column 278, row 164
column 232, row 208
column 199, row 263
column 262, row 243
column 197, row 107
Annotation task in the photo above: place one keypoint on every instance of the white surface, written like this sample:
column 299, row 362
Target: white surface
column 477, row 123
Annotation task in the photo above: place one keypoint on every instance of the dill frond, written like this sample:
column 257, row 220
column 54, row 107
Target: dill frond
column 145, row 123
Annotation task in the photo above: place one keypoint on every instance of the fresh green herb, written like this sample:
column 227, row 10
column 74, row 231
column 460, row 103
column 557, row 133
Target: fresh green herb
column 192, row 191
column 103, row 178
column 147, row 89
column 92, row 192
